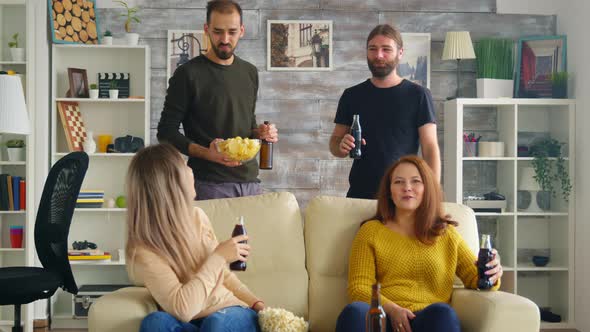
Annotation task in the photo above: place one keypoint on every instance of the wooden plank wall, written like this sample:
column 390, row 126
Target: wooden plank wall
column 303, row 104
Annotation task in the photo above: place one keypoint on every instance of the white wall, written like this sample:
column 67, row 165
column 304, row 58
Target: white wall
column 572, row 21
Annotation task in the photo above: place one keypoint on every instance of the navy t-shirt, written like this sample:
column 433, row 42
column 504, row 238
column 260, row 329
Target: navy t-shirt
column 390, row 118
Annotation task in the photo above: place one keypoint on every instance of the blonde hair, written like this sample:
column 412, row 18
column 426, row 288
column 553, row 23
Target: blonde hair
column 160, row 215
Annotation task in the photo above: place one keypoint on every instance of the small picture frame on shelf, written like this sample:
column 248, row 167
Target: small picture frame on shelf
column 78, row 81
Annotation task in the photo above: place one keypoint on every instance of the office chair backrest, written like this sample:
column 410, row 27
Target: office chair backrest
column 54, row 215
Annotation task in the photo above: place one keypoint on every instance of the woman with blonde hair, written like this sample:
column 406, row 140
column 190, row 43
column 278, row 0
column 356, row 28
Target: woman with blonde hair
column 173, row 252
column 414, row 251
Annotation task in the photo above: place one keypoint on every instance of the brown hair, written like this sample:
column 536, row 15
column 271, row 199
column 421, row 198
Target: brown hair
column 224, row 7
column 387, row 31
column 430, row 219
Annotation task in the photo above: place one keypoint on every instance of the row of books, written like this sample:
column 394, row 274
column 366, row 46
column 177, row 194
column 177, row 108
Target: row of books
column 12, row 193
column 88, row 255
column 90, row 199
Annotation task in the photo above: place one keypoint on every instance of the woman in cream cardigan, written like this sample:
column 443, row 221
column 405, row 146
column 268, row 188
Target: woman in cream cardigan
column 173, row 252
column 414, row 251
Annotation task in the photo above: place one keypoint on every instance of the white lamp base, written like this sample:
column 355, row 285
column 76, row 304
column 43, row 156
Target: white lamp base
column 534, row 206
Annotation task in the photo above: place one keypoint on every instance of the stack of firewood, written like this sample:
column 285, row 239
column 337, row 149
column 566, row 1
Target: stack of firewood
column 74, row 21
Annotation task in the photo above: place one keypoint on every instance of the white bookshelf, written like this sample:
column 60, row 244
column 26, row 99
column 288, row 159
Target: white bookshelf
column 16, row 16
column 116, row 117
column 518, row 234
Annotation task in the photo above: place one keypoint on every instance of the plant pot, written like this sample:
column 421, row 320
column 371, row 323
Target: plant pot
column 114, row 94
column 17, row 54
column 493, row 88
column 559, row 91
column 132, row 39
column 16, row 154
column 93, row 93
column 107, row 40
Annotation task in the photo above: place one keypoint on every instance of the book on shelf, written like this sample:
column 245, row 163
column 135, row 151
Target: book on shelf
column 87, row 252
column 12, row 193
column 107, row 256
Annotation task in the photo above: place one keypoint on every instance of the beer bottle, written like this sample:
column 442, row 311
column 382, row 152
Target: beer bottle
column 266, row 153
column 239, row 229
column 485, row 256
column 375, row 320
column 355, row 131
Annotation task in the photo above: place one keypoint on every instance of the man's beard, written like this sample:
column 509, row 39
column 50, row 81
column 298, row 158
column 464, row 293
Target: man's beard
column 382, row 71
column 223, row 55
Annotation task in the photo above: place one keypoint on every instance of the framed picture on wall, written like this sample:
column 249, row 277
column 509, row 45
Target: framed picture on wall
column 538, row 58
column 299, row 45
column 73, row 22
column 184, row 45
column 415, row 62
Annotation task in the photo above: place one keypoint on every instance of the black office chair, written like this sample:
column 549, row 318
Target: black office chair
column 22, row 285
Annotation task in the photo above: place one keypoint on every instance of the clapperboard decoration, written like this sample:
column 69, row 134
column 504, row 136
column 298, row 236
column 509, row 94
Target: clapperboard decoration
column 104, row 84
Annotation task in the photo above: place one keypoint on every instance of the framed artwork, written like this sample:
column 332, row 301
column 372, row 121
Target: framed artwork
column 299, row 45
column 71, row 120
column 415, row 63
column 538, row 58
column 78, row 83
column 184, row 45
column 73, row 21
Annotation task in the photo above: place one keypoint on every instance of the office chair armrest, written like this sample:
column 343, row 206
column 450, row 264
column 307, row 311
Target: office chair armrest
column 121, row 310
column 495, row 311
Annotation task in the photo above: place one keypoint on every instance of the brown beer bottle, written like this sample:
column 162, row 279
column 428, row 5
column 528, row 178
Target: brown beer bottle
column 239, row 229
column 266, row 153
column 375, row 320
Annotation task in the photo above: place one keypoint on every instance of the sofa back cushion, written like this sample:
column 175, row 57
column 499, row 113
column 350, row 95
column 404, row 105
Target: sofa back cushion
column 276, row 266
column 330, row 226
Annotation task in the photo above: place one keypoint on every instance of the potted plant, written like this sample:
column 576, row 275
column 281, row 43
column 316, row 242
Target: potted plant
column 131, row 15
column 113, row 91
column 16, row 150
column 17, row 53
column 107, row 38
column 559, row 84
column 93, row 91
column 550, row 167
column 495, row 66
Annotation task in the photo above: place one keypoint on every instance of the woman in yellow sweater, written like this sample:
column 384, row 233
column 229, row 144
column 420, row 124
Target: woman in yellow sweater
column 412, row 249
column 173, row 252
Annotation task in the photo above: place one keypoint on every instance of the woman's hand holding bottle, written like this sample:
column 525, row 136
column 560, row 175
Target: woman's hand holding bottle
column 232, row 250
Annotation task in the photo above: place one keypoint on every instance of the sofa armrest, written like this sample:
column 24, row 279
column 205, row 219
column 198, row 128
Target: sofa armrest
column 495, row 311
column 121, row 310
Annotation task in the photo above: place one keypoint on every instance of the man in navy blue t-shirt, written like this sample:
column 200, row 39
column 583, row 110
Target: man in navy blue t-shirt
column 396, row 116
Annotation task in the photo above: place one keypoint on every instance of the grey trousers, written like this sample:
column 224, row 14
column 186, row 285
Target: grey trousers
column 212, row 190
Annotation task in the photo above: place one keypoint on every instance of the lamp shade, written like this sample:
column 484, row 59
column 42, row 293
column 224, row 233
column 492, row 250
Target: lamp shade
column 13, row 111
column 458, row 45
column 527, row 181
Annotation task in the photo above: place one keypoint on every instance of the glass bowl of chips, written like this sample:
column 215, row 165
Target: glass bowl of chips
column 239, row 149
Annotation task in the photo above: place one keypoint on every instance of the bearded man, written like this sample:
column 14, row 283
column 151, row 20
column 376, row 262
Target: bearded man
column 396, row 115
column 214, row 97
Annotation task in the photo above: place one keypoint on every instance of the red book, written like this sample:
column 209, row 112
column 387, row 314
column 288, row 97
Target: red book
column 23, row 195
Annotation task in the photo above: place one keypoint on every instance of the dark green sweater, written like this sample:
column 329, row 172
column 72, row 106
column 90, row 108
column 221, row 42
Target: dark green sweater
column 211, row 101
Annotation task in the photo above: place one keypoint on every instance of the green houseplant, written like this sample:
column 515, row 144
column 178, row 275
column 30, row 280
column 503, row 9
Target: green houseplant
column 559, row 84
column 113, row 91
column 130, row 16
column 550, row 167
column 107, row 38
column 17, row 53
column 495, row 67
column 93, row 91
column 15, row 149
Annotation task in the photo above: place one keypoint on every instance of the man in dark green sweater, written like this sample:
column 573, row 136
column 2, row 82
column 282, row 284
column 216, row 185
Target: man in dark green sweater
column 214, row 97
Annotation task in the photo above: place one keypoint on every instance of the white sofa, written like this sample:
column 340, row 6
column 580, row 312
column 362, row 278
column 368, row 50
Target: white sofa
column 302, row 266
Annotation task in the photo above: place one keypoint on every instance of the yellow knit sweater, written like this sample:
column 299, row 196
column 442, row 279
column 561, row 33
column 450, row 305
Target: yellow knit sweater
column 412, row 275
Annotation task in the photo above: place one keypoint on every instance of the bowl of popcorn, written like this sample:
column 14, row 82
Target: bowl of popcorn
column 239, row 149
column 280, row 320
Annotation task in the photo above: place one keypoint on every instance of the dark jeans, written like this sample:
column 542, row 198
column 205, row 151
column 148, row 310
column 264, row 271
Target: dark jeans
column 437, row 317
column 236, row 319
column 212, row 190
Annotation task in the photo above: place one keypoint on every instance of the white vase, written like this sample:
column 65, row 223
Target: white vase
column 494, row 88
column 132, row 39
column 113, row 93
column 93, row 93
column 89, row 144
column 16, row 154
column 17, row 54
column 107, row 40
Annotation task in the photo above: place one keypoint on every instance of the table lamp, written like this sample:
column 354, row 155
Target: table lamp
column 458, row 46
column 13, row 110
column 527, row 182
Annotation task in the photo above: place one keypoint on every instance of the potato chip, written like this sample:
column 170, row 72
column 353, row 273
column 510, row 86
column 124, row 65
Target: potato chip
column 239, row 149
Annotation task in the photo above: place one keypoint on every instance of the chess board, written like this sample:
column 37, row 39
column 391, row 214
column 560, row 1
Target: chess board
column 71, row 120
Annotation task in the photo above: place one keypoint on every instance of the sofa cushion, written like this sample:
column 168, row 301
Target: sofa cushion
column 330, row 226
column 276, row 266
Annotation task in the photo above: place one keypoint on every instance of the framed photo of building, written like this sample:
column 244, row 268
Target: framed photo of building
column 415, row 62
column 182, row 46
column 538, row 58
column 299, row 45
column 78, row 83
